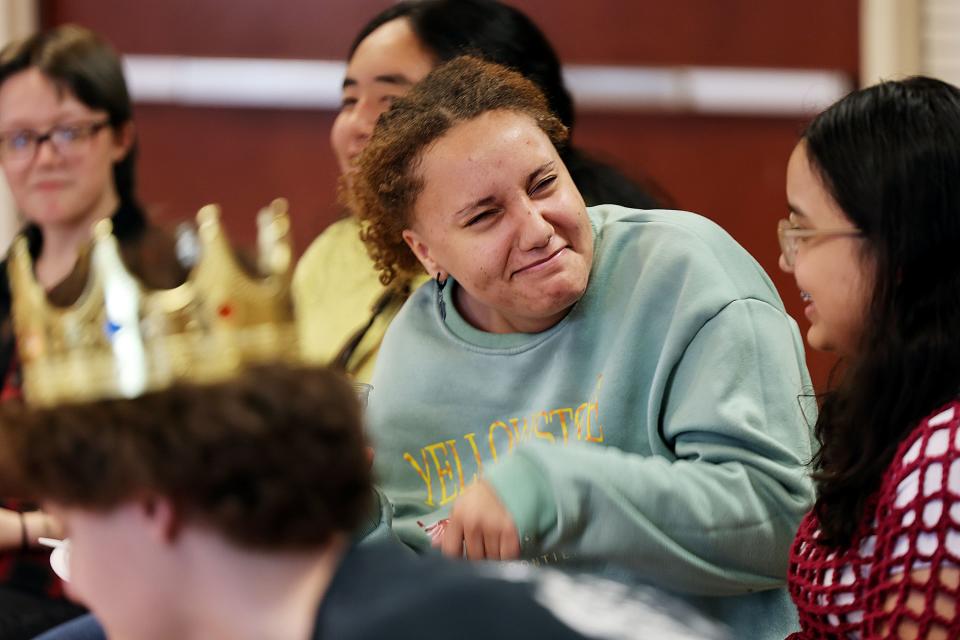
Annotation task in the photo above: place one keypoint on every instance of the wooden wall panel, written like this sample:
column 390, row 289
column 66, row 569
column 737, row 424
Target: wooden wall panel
column 728, row 168
column 749, row 33
column 241, row 159
column 775, row 33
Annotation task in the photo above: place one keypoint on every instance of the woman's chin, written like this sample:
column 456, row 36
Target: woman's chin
column 817, row 340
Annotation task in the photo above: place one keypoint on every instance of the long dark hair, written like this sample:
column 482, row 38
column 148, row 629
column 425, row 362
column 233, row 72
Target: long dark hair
column 504, row 35
column 890, row 157
column 80, row 62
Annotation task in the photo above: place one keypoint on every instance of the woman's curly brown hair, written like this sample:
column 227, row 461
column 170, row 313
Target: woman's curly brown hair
column 273, row 459
column 384, row 188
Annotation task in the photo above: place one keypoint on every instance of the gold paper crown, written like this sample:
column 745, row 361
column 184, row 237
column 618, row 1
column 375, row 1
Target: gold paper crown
column 121, row 339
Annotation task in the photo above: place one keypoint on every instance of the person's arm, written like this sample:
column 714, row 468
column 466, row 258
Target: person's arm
column 925, row 591
column 915, row 578
column 717, row 518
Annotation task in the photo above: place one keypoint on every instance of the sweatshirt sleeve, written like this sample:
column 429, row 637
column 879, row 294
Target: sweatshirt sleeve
column 717, row 516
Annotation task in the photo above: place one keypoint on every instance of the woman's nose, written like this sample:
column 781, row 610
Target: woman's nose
column 46, row 153
column 361, row 126
column 784, row 266
column 535, row 230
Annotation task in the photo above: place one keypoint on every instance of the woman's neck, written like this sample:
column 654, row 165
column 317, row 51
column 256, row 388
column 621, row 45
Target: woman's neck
column 62, row 242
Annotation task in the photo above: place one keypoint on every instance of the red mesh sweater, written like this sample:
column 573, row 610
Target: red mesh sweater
column 910, row 530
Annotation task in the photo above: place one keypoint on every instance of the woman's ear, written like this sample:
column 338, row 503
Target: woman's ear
column 123, row 139
column 422, row 251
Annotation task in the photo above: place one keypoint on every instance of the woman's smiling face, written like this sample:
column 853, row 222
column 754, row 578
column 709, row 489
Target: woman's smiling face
column 499, row 212
column 833, row 275
column 385, row 65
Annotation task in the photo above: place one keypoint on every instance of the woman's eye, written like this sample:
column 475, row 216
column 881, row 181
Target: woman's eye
column 543, row 184
column 389, row 100
column 480, row 217
column 347, row 103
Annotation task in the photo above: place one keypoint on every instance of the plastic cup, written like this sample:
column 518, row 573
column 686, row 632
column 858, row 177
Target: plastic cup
column 363, row 392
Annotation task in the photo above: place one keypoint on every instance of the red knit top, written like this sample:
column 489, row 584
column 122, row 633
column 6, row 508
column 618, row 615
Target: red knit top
column 911, row 528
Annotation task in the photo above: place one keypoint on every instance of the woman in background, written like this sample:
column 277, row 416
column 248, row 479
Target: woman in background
column 344, row 306
column 872, row 241
column 67, row 151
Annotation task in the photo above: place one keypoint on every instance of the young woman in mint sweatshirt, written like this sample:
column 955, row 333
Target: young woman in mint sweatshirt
column 609, row 388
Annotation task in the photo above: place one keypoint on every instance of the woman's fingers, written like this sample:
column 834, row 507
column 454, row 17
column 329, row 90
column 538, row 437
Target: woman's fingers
column 451, row 544
column 480, row 527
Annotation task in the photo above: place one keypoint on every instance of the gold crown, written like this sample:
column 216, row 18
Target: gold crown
column 121, row 339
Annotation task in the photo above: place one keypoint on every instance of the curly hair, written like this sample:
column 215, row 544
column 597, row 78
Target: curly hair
column 273, row 459
column 384, row 189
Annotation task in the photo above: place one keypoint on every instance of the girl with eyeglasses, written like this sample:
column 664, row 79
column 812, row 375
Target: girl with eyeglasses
column 871, row 239
column 67, row 150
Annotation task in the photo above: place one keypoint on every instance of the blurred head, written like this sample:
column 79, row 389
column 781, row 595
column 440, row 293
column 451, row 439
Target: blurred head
column 462, row 177
column 271, row 461
column 401, row 44
column 66, row 136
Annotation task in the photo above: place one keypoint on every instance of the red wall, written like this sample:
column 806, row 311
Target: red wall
column 726, row 167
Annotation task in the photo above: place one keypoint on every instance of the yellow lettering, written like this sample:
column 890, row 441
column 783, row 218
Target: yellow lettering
column 442, row 470
column 456, row 457
column 563, row 414
column 521, row 434
column 545, row 435
column 423, row 472
column 471, row 438
column 581, row 416
column 493, row 447
column 594, row 410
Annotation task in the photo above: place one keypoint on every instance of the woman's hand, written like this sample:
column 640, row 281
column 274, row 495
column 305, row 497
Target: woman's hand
column 480, row 527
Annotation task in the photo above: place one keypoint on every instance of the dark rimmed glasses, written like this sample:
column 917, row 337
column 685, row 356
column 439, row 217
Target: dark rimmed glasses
column 790, row 237
column 18, row 148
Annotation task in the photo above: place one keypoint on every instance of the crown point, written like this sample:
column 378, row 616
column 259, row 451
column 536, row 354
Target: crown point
column 280, row 206
column 208, row 214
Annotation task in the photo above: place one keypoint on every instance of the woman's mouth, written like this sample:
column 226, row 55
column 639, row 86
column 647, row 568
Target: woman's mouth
column 810, row 309
column 539, row 263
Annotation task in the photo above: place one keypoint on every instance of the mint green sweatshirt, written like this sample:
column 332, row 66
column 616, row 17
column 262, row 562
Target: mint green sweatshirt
column 655, row 431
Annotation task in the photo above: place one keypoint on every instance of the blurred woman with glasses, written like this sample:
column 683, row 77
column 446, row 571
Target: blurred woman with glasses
column 67, row 151
column 871, row 239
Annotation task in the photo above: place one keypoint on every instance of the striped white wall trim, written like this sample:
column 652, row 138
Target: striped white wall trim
column 315, row 84
column 940, row 39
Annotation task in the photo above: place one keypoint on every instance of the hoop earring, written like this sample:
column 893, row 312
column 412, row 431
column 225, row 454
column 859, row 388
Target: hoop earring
column 443, row 307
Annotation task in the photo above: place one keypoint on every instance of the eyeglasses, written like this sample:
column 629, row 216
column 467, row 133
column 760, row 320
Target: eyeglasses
column 791, row 237
column 18, row 148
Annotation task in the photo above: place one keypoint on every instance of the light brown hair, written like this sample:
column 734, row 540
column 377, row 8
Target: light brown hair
column 272, row 459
